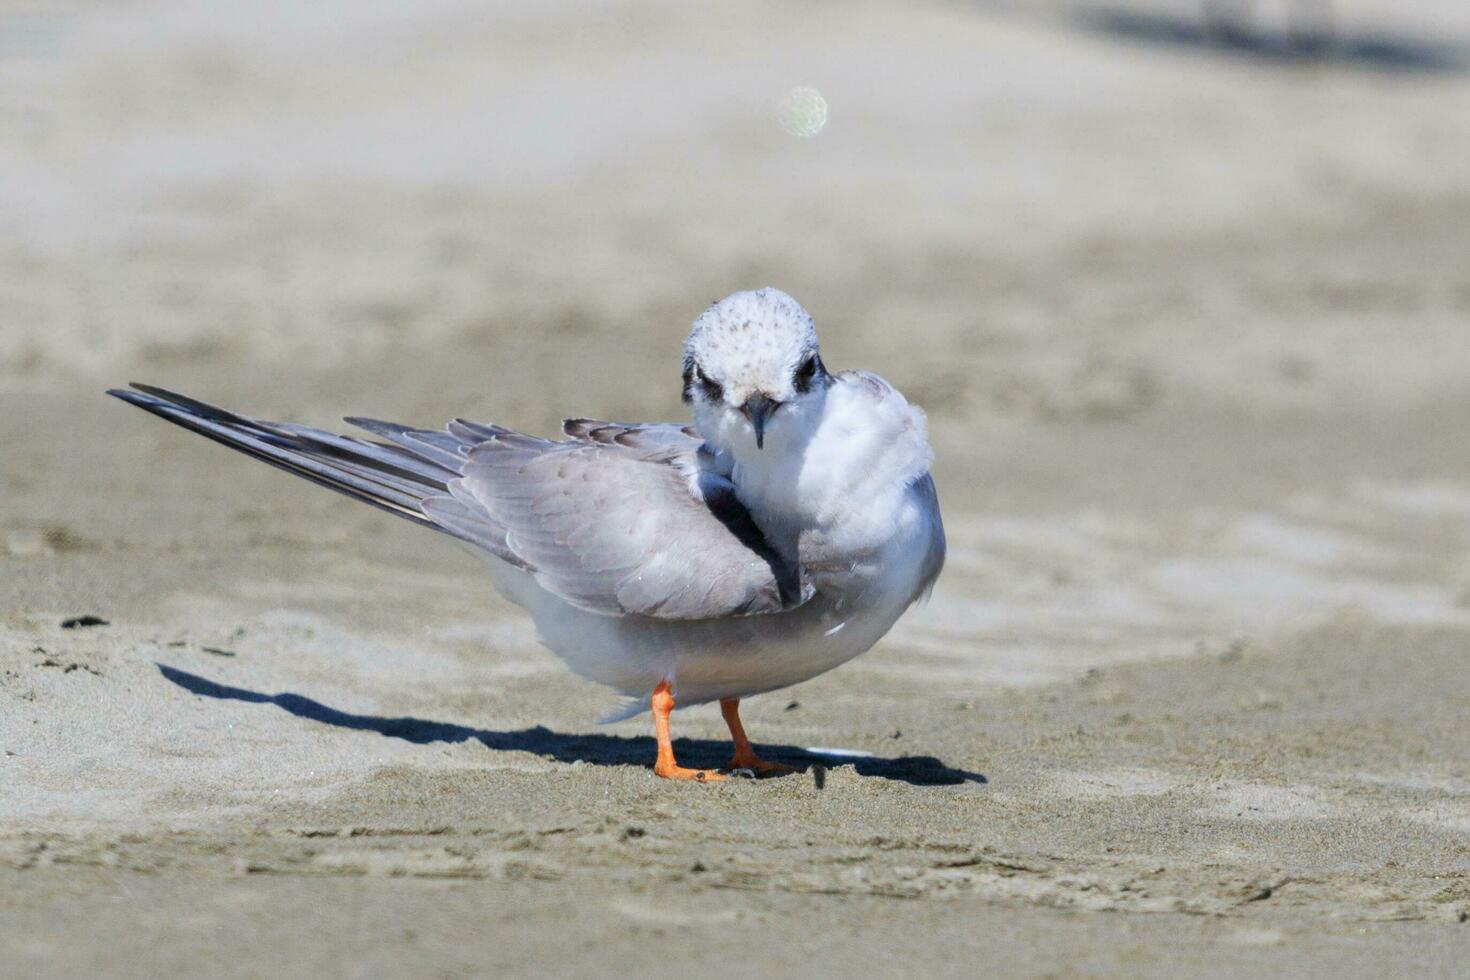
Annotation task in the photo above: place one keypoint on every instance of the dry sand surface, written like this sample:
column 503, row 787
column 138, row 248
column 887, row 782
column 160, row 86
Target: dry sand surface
column 1193, row 696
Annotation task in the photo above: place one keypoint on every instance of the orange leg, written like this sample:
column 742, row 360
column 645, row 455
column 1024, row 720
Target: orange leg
column 745, row 757
column 665, row 766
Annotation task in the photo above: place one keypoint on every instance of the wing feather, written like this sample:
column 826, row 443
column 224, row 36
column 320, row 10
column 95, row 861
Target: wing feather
column 608, row 518
column 618, row 519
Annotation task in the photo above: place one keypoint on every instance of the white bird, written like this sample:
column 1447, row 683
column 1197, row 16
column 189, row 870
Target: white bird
column 780, row 535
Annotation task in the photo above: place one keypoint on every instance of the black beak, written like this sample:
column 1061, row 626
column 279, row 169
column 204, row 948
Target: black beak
column 758, row 408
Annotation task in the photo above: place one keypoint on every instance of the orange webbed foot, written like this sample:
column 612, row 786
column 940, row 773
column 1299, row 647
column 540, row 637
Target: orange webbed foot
column 691, row 775
column 760, row 767
column 662, row 704
column 745, row 757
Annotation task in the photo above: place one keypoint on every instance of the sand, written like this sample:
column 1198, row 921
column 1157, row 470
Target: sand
column 1191, row 697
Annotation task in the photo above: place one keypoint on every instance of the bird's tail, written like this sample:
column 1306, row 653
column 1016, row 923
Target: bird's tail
column 397, row 477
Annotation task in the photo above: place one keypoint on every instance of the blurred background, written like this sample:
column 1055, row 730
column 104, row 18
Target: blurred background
column 1163, row 254
column 1022, row 211
column 1183, row 285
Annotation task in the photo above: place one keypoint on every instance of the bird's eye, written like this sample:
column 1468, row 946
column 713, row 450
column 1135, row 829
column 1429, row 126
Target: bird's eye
column 712, row 389
column 805, row 374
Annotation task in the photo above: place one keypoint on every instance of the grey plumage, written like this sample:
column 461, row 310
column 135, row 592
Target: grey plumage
column 616, row 519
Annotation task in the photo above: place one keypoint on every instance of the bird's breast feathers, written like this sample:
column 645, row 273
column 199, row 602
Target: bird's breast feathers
column 846, row 490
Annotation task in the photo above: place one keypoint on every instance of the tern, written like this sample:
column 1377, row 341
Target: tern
column 780, row 534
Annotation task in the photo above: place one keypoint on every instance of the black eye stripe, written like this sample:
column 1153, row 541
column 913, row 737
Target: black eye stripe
column 712, row 388
column 807, row 373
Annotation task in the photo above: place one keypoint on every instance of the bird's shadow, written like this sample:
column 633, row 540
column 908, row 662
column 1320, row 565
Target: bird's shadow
column 600, row 750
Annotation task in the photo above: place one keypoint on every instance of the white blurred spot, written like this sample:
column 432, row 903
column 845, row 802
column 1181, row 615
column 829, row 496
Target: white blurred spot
column 802, row 112
column 839, row 753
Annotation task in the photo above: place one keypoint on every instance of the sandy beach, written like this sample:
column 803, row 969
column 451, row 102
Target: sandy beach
column 1189, row 321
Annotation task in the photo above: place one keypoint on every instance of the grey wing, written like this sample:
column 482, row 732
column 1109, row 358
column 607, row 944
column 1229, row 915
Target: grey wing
column 621, row 520
column 658, row 440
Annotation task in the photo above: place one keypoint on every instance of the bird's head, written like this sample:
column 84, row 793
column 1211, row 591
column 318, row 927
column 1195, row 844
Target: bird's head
column 752, row 372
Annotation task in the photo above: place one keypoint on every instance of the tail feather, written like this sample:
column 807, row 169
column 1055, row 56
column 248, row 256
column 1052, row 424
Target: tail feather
column 390, row 477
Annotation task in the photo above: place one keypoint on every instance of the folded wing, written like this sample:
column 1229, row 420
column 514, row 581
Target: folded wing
column 617, row 519
column 623, row 519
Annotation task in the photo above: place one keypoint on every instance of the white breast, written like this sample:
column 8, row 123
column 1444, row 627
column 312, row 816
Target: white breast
column 840, row 487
